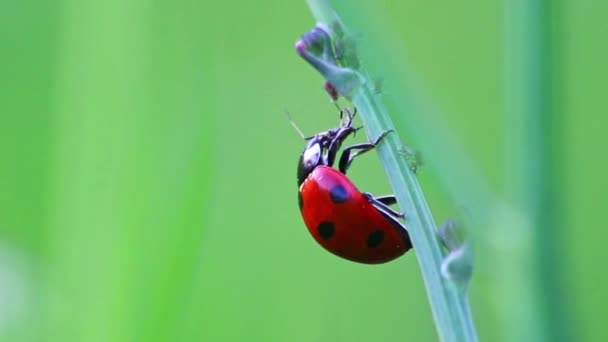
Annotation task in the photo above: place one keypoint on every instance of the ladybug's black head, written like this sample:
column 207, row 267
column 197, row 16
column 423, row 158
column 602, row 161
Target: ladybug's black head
column 322, row 148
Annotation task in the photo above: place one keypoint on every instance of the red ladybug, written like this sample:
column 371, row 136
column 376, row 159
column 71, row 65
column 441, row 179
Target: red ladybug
column 348, row 223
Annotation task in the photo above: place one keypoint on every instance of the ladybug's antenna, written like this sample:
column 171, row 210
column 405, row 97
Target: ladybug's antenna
column 293, row 124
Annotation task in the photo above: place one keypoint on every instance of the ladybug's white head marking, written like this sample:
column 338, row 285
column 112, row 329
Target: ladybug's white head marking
column 311, row 156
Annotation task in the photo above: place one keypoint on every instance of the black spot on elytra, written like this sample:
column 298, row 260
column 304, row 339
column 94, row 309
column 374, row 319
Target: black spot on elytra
column 326, row 230
column 375, row 238
column 300, row 200
column 338, row 194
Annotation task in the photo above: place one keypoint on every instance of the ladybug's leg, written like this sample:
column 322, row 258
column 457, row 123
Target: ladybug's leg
column 347, row 155
column 389, row 214
column 380, row 204
column 336, row 142
column 388, row 199
column 353, row 151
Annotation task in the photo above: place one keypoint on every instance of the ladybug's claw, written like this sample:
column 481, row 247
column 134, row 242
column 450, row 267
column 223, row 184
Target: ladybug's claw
column 356, row 129
column 384, row 134
column 349, row 116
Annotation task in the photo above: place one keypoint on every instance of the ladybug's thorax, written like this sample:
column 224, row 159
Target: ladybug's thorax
column 321, row 150
column 311, row 157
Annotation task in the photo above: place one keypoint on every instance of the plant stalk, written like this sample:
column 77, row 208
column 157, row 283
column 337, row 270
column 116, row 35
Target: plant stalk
column 449, row 303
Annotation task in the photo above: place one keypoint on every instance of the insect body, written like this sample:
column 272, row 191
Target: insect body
column 346, row 222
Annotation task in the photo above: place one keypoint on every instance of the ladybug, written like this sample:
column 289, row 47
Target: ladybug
column 349, row 223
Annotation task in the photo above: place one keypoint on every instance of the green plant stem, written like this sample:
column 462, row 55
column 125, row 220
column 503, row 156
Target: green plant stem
column 448, row 302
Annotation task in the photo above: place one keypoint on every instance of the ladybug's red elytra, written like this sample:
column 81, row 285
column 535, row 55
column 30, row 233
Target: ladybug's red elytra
column 347, row 222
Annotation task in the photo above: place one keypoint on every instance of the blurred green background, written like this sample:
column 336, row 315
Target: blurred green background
column 147, row 179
